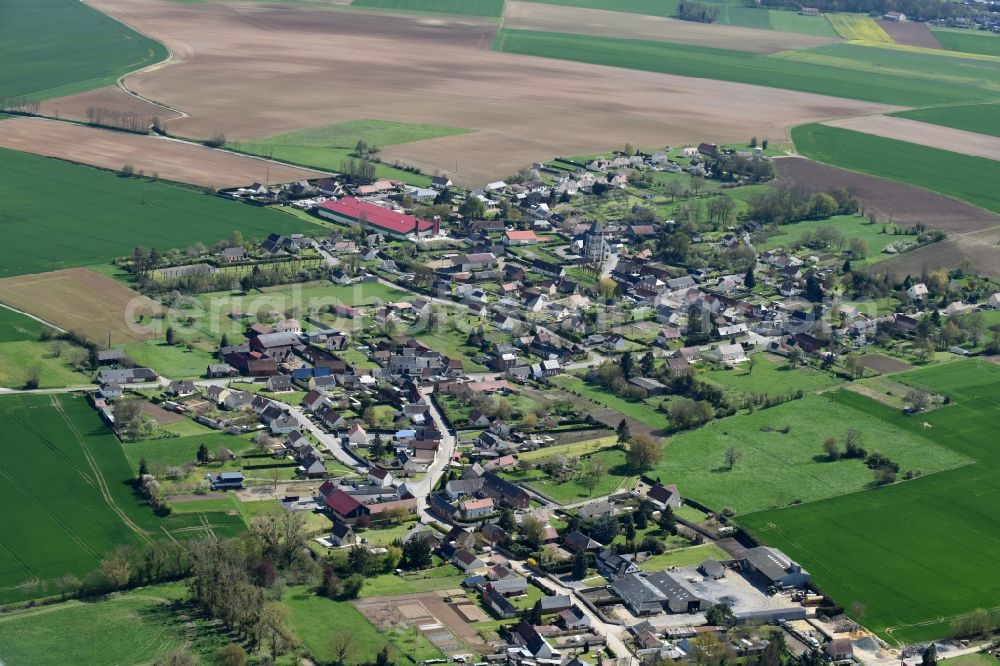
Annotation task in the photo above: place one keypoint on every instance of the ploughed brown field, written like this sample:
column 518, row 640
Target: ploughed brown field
column 559, row 18
column 74, row 107
column 910, row 33
column 81, row 300
column 883, row 364
column 169, row 159
column 978, row 249
column 253, row 70
column 902, row 203
column 925, row 134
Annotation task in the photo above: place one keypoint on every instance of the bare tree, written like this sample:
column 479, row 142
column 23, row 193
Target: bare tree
column 732, row 456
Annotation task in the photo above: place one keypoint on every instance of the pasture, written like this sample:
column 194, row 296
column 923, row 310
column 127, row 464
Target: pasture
column 458, row 7
column 963, row 177
column 843, row 70
column 778, row 468
column 885, row 548
column 60, row 47
column 327, row 147
column 574, row 490
column 980, row 118
column 84, row 301
column 99, row 216
column 21, row 350
column 968, row 41
column 640, row 410
column 59, row 442
column 770, row 375
column 851, row 226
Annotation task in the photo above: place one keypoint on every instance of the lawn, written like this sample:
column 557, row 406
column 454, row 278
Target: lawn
column 459, row 7
column 843, row 70
column 970, row 179
column 174, row 361
column 640, row 411
column 571, row 491
column 178, row 451
column 894, row 549
column 210, row 312
column 968, row 41
column 59, row 441
column 770, row 375
column 851, row 226
column 451, row 343
column 316, row 619
column 684, row 557
column 779, row 468
column 982, row 118
column 575, row 449
column 328, row 146
column 17, row 359
column 53, row 48
column 445, row 577
column 43, row 232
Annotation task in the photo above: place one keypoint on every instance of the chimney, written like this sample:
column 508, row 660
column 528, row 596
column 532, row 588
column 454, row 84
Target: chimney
column 437, row 225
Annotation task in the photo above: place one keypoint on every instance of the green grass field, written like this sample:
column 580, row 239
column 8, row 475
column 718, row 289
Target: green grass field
column 921, row 552
column 458, row 7
column 770, row 375
column 21, row 350
column 982, row 118
column 843, row 70
column 778, row 468
column 851, row 226
column 327, row 147
column 970, row 179
column 684, row 557
column 445, row 577
column 968, row 41
column 99, row 216
column 316, row 619
column 52, row 48
column 573, row 490
column 66, row 494
column 177, row 451
column 640, row 411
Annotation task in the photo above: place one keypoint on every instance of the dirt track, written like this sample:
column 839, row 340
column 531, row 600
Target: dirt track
column 889, row 199
column 170, row 160
column 559, row 18
column 925, row 134
column 254, row 70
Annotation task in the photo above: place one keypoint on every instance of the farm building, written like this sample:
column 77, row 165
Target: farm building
column 647, row 594
column 775, row 567
column 399, row 225
column 225, row 480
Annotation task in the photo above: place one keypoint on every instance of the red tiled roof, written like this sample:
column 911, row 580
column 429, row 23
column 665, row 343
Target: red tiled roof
column 341, row 503
column 376, row 215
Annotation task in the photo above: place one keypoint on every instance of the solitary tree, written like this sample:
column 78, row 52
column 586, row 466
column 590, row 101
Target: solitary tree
column 580, row 565
column 749, row 280
column 929, row 658
column 830, row 448
column 732, row 456
column 171, row 336
column 623, row 432
column 643, row 452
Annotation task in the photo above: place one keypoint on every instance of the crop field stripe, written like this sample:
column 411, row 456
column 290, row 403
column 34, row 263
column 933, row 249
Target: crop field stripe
column 61, row 47
column 842, row 70
column 968, row 41
column 971, row 179
column 981, row 118
column 857, row 27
